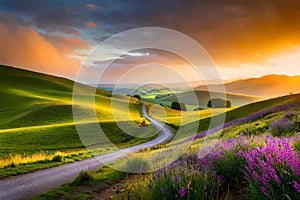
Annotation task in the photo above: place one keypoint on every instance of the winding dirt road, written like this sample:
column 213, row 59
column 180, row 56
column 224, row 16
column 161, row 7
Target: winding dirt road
column 31, row 184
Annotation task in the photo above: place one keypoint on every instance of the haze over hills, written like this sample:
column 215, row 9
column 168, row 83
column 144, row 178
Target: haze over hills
column 266, row 86
column 173, row 85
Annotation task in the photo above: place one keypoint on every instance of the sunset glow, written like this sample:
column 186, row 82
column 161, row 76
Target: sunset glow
column 243, row 39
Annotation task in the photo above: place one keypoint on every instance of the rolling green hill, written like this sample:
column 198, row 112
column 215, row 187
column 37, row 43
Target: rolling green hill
column 238, row 113
column 36, row 114
column 202, row 97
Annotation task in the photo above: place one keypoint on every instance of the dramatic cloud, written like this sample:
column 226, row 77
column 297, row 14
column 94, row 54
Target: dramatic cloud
column 91, row 6
column 91, row 24
column 50, row 15
column 28, row 49
column 232, row 31
column 235, row 33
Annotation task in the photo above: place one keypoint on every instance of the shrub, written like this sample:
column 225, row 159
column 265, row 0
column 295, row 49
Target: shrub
column 58, row 158
column 13, row 164
column 137, row 96
column 83, row 178
column 178, row 106
column 142, row 122
column 218, row 103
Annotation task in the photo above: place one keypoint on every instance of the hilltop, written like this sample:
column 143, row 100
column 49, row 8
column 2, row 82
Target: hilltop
column 266, row 86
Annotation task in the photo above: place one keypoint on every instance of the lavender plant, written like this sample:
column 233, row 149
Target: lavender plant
column 281, row 126
column 256, row 167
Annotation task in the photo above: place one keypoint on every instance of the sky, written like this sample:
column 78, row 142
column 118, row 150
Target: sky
column 243, row 38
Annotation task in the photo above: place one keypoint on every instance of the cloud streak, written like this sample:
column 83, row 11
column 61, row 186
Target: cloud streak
column 29, row 49
column 91, row 24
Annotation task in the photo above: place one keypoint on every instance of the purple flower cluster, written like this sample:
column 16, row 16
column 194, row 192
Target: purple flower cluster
column 263, row 162
column 283, row 125
column 290, row 115
column 185, row 178
column 267, row 163
column 296, row 186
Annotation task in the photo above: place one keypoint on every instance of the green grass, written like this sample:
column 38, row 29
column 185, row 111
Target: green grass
column 84, row 188
column 36, row 116
column 237, row 113
column 192, row 99
column 137, row 185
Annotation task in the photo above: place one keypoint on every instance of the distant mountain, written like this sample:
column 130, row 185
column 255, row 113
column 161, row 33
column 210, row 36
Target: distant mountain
column 148, row 86
column 266, row 86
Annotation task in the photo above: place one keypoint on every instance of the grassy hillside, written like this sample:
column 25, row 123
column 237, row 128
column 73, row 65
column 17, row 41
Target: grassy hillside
column 267, row 86
column 240, row 112
column 204, row 96
column 36, row 114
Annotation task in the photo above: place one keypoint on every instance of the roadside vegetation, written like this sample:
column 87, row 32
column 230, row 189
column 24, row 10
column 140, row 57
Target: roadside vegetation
column 257, row 164
column 254, row 156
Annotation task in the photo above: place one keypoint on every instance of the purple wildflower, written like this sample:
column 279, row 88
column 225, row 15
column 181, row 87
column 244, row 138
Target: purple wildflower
column 181, row 192
column 173, row 178
column 179, row 179
column 264, row 191
column 296, row 186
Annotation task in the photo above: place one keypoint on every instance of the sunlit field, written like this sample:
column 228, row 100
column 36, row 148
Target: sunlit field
column 36, row 120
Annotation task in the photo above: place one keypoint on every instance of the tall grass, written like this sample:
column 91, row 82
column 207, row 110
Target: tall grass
column 16, row 160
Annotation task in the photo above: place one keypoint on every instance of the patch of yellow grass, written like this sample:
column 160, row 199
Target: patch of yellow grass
column 182, row 118
column 16, row 160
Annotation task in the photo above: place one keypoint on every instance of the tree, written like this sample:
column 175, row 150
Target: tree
column 228, row 104
column 137, row 96
column 178, row 106
column 218, row 103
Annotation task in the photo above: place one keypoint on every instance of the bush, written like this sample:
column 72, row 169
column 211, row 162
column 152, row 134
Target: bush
column 218, row 103
column 58, row 158
column 178, row 106
column 83, row 178
column 13, row 164
column 137, row 96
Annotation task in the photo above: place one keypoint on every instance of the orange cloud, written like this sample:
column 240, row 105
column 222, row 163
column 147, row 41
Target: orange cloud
column 91, row 24
column 28, row 49
column 91, row 6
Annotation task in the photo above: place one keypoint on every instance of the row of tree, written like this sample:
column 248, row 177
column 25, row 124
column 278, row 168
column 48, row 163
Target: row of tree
column 212, row 103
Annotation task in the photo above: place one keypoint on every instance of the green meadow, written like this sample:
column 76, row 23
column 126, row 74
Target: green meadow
column 36, row 120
